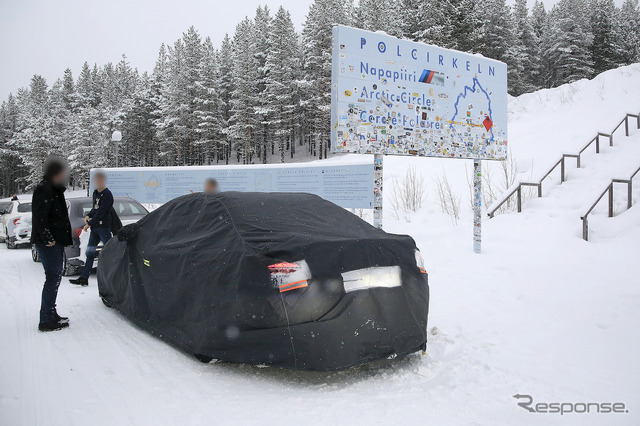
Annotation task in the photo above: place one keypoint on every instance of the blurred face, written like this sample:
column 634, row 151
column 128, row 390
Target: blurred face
column 210, row 188
column 100, row 181
column 61, row 178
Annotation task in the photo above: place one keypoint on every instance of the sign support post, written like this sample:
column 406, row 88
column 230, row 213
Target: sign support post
column 377, row 190
column 477, row 206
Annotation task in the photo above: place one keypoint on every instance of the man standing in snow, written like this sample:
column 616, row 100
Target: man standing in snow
column 51, row 232
column 99, row 220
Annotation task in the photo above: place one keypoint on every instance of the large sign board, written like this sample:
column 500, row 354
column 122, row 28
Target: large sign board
column 347, row 185
column 393, row 96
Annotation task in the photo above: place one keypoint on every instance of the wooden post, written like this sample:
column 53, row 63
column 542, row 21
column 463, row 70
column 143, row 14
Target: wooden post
column 540, row 190
column 598, row 144
column 585, row 229
column 562, row 170
column 630, row 194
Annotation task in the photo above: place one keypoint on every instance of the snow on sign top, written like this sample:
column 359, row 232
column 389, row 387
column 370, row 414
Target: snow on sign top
column 395, row 96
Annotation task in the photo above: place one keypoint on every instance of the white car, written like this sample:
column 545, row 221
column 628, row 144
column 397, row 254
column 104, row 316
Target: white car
column 15, row 223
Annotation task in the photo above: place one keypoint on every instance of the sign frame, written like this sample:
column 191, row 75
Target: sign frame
column 398, row 97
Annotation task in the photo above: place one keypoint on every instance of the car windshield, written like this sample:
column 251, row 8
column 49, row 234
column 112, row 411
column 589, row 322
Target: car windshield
column 24, row 208
column 122, row 207
column 4, row 205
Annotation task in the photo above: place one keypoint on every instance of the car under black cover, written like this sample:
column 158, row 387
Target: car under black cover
column 283, row 279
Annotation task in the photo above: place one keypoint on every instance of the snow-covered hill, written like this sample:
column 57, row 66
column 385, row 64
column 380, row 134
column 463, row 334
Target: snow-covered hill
column 540, row 312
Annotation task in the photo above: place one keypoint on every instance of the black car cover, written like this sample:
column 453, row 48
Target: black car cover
column 205, row 273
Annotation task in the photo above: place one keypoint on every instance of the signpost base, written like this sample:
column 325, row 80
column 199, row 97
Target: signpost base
column 477, row 206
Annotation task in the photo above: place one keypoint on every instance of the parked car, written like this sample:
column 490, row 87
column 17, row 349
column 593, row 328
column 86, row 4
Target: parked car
column 4, row 206
column 128, row 209
column 15, row 223
column 284, row 279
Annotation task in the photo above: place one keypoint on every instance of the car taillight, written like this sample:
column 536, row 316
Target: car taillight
column 420, row 262
column 286, row 276
column 77, row 232
column 16, row 221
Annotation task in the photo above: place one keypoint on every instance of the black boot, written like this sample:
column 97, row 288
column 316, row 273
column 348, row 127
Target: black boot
column 52, row 326
column 80, row 281
column 62, row 319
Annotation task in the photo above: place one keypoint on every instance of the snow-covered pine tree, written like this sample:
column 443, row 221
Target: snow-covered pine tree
column 466, row 28
column 69, row 91
column 243, row 98
column 318, row 44
column 435, row 22
column 567, row 43
column 138, row 147
column 526, row 51
column 627, row 32
column 411, row 18
column 262, row 30
column 159, row 99
column 540, row 27
column 85, row 87
column 33, row 140
column 210, row 123
column 496, row 34
column 380, row 15
column 604, row 49
column 283, row 72
column 225, row 59
column 11, row 169
column 190, row 92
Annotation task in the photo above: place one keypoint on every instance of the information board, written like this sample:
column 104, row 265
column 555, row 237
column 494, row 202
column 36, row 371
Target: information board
column 393, row 96
column 347, row 185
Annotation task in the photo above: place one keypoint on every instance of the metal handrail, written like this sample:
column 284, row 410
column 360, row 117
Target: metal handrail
column 609, row 189
column 517, row 189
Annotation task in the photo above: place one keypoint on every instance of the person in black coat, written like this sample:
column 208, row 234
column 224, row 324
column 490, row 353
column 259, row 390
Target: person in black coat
column 99, row 220
column 50, row 233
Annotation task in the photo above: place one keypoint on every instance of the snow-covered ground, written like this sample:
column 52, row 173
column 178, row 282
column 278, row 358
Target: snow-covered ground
column 540, row 312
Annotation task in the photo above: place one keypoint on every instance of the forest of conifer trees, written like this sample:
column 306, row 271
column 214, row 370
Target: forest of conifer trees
column 263, row 94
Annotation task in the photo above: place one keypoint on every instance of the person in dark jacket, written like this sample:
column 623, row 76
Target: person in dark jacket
column 50, row 233
column 99, row 220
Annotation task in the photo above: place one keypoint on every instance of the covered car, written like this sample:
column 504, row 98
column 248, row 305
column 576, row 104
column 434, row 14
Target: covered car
column 285, row 279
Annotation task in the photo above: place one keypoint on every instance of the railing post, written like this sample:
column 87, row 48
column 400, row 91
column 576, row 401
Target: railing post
column 585, row 229
column 630, row 194
column 540, row 190
column 519, row 198
column 638, row 120
column 626, row 125
column 611, row 139
column 611, row 200
column 578, row 160
column 562, row 169
column 598, row 144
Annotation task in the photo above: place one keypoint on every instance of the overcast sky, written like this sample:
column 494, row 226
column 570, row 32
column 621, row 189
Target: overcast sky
column 47, row 36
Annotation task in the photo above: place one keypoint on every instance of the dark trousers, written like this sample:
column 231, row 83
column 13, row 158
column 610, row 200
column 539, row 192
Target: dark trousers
column 97, row 235
column 52, row 262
